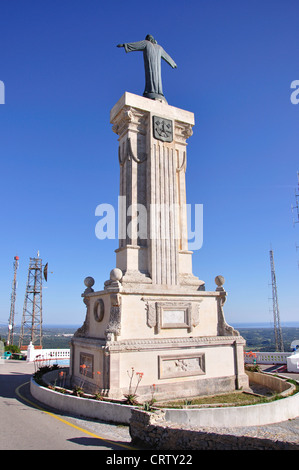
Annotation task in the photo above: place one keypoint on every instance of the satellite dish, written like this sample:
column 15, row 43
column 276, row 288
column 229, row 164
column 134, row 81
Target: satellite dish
column 46, row 272
column 295, row 344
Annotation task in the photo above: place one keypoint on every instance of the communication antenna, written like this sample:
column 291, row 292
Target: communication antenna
column 31, row 328
column 11, row 320
column 295, row 209
column 277, row 328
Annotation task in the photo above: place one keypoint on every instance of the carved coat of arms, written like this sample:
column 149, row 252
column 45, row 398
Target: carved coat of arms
column 162, row 129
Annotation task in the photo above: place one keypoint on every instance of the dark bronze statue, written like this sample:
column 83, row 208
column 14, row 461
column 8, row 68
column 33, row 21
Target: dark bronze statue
column 152, row 55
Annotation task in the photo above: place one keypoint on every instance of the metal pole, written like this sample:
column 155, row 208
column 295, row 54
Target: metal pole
column 11, row 321
column 276, row 316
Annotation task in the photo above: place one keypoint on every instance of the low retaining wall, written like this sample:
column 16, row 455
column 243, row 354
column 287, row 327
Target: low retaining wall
column 277, row 384
column 151, row 430
column 248, row 415
column 88, row 408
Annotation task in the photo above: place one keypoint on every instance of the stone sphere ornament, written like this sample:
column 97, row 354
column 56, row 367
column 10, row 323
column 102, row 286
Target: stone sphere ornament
column 116, row 274
column 219, row 280
column 89, row 281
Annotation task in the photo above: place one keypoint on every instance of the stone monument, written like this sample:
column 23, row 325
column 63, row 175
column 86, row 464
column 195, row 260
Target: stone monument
column 153, row 315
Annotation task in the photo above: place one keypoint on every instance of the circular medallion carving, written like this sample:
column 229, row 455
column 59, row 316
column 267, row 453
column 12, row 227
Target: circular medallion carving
column 99, row 310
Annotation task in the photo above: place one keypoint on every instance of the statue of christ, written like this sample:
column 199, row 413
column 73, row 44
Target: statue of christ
column 152, row 55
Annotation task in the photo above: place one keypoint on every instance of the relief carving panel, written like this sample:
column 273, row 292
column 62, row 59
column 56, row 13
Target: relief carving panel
column 181, row 366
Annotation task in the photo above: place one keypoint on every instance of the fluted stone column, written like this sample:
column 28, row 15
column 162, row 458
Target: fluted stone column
column 152, row 156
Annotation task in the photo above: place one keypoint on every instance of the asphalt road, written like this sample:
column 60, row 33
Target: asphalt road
column 28, row 425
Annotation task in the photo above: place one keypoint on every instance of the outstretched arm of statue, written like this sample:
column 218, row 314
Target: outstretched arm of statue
column 168, row 59
column 133, row 46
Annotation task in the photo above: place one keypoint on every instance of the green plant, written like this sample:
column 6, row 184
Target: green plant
column 131, row 397
column 253, row 368
column 13, row 348
column 153, row 391
column 99, row 393
column 44, row 369
column 294, row 382
column 99, row 396
column 78, row 391
column 62, row 377
column 187, row 402
column 41, row 371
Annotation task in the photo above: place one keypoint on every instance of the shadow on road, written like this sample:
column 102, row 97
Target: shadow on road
column 9, row 382
column 93, row 441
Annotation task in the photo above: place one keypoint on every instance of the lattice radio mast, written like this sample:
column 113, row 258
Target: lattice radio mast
column 31, row 328
column 11, row 320
column 296, row 208
column 277, row 328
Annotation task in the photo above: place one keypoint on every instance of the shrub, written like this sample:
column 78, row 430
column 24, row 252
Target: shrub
column 13, row 348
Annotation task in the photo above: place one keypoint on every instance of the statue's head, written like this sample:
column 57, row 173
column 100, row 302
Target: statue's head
column 150, row 38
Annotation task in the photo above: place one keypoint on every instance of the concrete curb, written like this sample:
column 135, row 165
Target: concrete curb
column 85, row 407
column 247, row 415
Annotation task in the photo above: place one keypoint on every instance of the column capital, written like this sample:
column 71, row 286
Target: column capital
column 151, row 106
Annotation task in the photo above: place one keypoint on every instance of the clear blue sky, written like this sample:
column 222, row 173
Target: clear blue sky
column 63, row 73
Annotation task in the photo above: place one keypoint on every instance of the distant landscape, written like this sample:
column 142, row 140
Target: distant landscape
column 257, row 338
column 54, row 336
column 262, row 339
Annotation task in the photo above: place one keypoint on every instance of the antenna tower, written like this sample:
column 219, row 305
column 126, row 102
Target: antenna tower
column 11, row 320
column 296, row 208
column 31, row 328
column 277, row 328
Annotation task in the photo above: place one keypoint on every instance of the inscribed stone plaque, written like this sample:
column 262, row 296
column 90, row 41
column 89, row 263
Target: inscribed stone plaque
column 162, row 129
column 173, row 314
column 173, row 317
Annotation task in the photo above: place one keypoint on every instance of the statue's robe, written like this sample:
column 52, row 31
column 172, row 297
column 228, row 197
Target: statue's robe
column 152, row 55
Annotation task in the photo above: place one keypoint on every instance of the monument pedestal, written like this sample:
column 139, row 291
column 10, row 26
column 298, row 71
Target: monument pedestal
column 153, row 314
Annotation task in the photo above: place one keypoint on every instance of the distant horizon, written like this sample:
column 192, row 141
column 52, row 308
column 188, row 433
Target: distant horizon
column 285, row 324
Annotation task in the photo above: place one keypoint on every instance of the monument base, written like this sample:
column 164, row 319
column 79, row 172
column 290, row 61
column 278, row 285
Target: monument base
column 178, row 341
column 170, row 370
